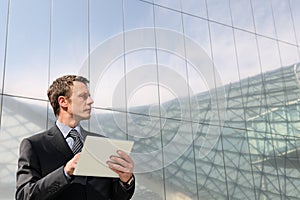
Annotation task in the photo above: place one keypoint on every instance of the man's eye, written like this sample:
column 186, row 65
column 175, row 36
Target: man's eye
column 84, row 96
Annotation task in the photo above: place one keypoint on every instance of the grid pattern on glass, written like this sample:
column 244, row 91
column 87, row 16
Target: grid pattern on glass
column 256, row 156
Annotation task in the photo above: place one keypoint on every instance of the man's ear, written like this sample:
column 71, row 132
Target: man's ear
column 62, row 100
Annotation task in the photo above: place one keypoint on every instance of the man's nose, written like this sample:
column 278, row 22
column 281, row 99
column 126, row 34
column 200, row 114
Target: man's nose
column 90, row 100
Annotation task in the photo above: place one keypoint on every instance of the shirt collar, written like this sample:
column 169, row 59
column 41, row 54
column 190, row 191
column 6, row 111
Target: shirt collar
column 66, row 129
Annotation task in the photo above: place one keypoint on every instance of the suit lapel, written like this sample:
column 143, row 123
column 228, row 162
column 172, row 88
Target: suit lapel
column 58, row 141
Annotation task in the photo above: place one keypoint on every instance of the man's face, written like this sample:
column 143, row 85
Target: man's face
column 80, row 102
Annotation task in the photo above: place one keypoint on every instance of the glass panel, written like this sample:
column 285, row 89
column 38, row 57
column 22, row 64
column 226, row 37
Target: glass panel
column 163, row 16
column 149, row 186
column 137, row 14
column 288, row 54
column 209, row 165
column 271, row 170
column 283, row 21
column 156, row 87
column 294, row 6
column 197, row 30
column 141, row 71
column 147, row 140
column 28, row 53
column 20, row 118
column 105, row 21
column 147, row 155
column 174, row 4
column 69, row 47
column 264, row 23
column 108, row 123
column 179, row 159
column 269, row 54
column 223, row 53
column 173, row 90
column 51, row 116
column 247, row 54
column 242, row 14
column 192, row 7
column 3, row 26
column 107, row 83
column 219, row 11
column 141, row 82
column 237, row 159
column 106, row 63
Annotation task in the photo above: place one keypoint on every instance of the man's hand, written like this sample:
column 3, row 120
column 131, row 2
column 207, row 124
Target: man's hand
column 71, row 165
column 123, row 165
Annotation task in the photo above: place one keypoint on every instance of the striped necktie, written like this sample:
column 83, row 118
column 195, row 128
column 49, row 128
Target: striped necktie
column 77, row 146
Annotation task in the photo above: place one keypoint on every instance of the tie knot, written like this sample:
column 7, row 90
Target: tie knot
column 77, row 141
column 73, row 133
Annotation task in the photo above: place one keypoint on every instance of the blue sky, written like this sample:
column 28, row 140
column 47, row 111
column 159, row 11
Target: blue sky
column 234, row 52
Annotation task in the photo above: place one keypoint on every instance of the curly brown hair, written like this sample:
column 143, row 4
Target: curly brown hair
column 62, row 87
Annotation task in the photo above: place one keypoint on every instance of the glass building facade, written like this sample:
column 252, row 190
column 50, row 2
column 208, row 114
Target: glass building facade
column 207, row 89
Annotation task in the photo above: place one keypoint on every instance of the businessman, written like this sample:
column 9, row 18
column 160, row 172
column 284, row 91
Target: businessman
column 47, row 160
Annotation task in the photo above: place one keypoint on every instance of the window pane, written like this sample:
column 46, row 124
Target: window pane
column 294, row 5
column 162, row 16
column 219, row 11
column 192, row 7
column 174, row 4
column 137, row 14
column 247, row 54
column 263, row 18
column 147, row 154
column 269, row 54
column 20, row 118
column 3, row 26
column 69, row 47
column 283, row 20
column 106, row 20
column 179, row 159
column 242, row 14
column 28, row 53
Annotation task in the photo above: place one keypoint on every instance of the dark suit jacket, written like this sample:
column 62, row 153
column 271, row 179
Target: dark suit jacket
column 41, row 176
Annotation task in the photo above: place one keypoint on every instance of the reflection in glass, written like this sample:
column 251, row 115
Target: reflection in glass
column 294, row 5
column 283, row 21
column 108, row 84
column 269, row 55
column 223, row 53
column 289, row 54
column 3, row 26
column 247, row 54
column 262, row 13
column 29, row 50
column 197, row 30
column 162, row 16
column 137, row 14
column 174, row 4
column 179, row 159
column 20, row 118
column 199, row 132
column 196, row 8
column 141, row 82
column 241, row 12
column 108, row 123
column 219, row 11
column 106, row 20
column 69, row 37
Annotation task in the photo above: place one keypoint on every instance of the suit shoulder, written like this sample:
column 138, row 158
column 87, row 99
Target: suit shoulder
column 40, row 136
column 88, row 133
column 35, row 137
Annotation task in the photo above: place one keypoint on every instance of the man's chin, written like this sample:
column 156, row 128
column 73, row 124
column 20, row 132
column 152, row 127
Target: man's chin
column 84, row 117
column 87, row 117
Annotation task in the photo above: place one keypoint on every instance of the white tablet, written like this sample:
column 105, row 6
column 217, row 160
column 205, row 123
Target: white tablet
column 96, row 152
